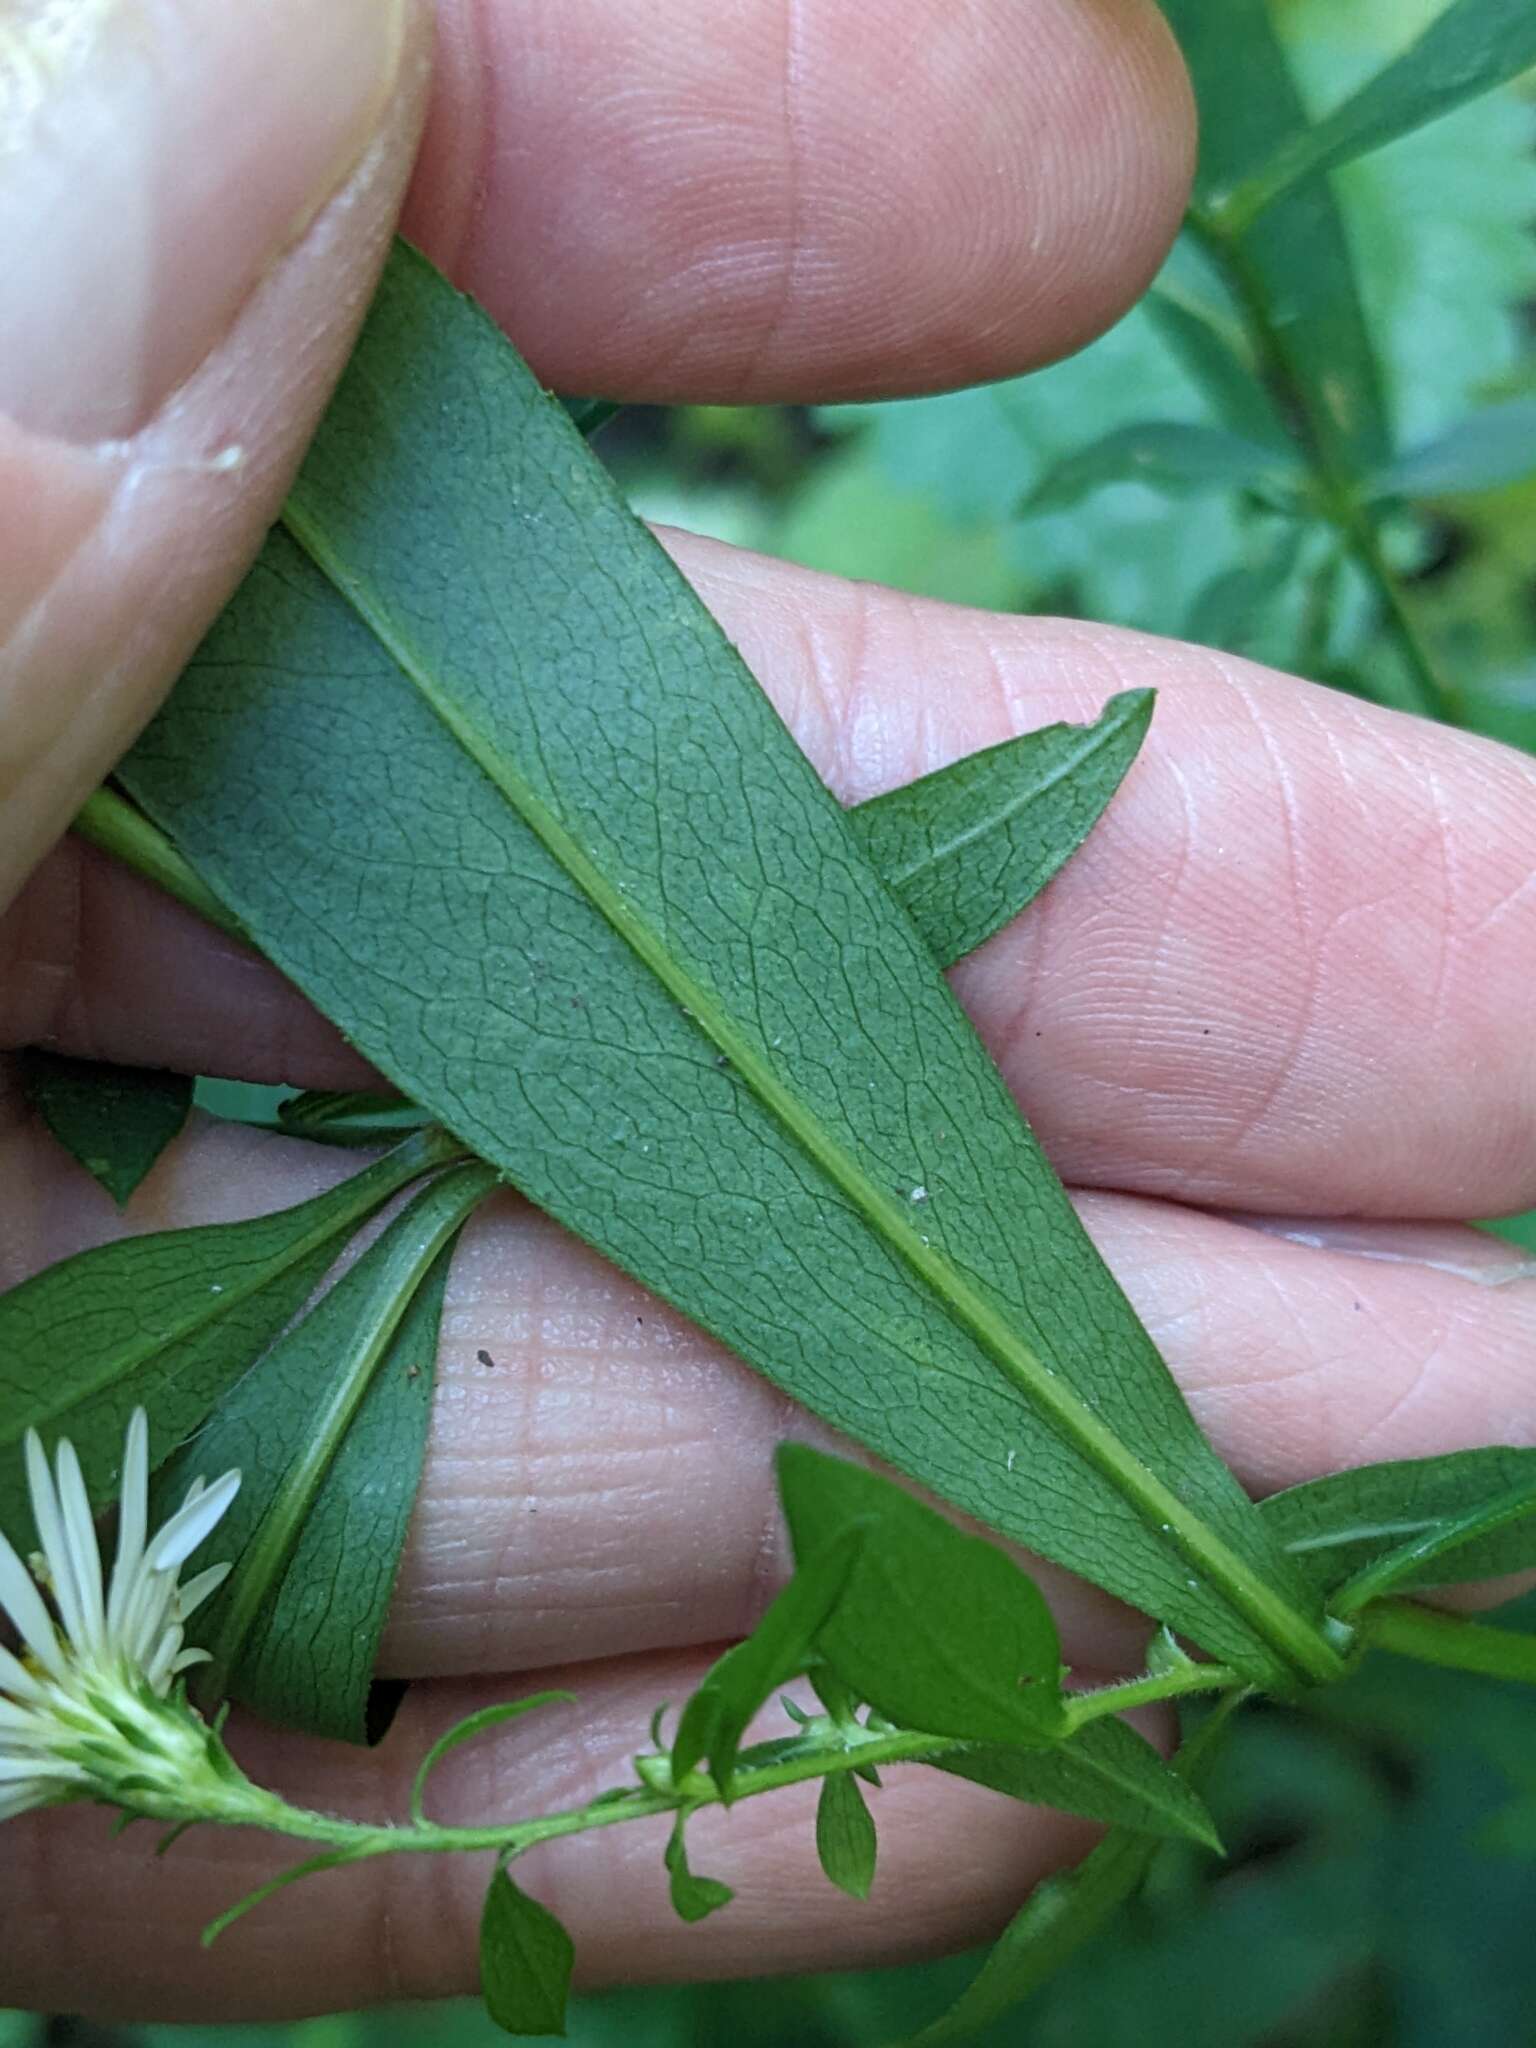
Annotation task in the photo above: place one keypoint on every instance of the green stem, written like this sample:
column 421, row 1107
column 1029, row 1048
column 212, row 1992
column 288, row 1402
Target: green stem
column 1434, row 1638
column 1426, row 688
column 848, row 1749
column 109, row 821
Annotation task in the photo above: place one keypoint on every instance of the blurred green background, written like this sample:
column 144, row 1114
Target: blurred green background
column 1381, row 1888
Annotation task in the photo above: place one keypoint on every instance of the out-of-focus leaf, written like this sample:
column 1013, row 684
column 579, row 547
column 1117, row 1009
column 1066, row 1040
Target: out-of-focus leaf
column 1295, row 254
column 1169, row 455
column 1213, row 348
column 1229, row 612
column 1106, row 1772
column 1337, row 1527
column 526, row 1958
column 167, row 1322
column 329, row 1432
column 845, row 1835
column 1492, row 447
column 115, row 1120
column 1469, row 48
column 939, row 1630
column 965, row 849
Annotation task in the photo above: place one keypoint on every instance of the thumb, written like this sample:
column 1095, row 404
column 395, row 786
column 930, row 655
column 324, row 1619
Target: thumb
column 196, row 200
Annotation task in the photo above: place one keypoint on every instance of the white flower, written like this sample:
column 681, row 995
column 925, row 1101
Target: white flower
column 86, row 1708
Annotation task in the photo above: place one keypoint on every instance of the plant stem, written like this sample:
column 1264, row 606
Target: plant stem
column 846, row 1749
column 109, row 821
column 1434, row 1638
column 1426, row 688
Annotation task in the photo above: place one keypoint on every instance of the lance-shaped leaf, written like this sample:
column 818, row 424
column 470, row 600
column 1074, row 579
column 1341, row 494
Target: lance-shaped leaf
column 1470, row 47
column 329, row 1433
column 1494, row 446
column 1338, row 1527
column 966, row 848
column 115, row 1120
column 167, row 1322
column 1106, row 1772
column 1174, row 456
column 476, row 768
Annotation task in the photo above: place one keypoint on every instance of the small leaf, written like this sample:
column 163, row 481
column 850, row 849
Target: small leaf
column 715, row 1718
column 693, row 1898
column 317, row 1528
column 1428, row 1554
column 167, row 1322
column 1214, row 350
column 938, row 1630
column 526, row 1958
column 1106, row 1772
column 1232, row 605
column 1470, row 47
column 1170, row 455
column 1337, row 1527
column 845, row 1835
column 115, row 1120
column 1492, row 447
column 965, row 849
column 469, row 1730
column 350, row 1119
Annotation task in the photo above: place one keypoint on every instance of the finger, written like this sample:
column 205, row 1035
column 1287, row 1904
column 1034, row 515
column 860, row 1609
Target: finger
column 600, row 1475
column 1290, row 969
column 953, row 1862
column 196, row 199
column 801, row 200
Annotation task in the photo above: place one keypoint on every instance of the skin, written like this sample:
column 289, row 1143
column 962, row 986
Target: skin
column 1269, row 1023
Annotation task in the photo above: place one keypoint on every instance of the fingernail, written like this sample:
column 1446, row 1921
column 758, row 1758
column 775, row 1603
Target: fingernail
column 158, row 155
column 1453, row 1248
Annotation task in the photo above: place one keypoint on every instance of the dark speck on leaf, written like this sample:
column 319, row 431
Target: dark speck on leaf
column 486, row 1360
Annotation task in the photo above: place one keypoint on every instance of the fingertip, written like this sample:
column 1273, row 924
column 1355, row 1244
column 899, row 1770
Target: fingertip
column 802, row 201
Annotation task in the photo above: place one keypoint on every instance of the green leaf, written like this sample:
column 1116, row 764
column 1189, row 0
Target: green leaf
column 845, row 1836
column 329, row 1432
column 965, row 849
column 1233, row 604
column 779, row 1648
column 166, row 1322
column 1169, row 455
column 1469, row 48
column 525, row 1961
column 1337, row 1527
column 581, row 896
column 1212, row 347
column 1427, row 1555
column 938, row 1630
column 1492, row 447
column 1295, row 258
column 469, row 1730
column 693, row 1898
column 115, row 1120
column 1059, row 1917
column 351, row 1118
column 1106, row 1772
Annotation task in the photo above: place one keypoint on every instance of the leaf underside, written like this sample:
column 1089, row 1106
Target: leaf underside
column 478, row 771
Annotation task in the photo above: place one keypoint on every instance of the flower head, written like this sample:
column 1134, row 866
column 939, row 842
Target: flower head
column 87, row 1706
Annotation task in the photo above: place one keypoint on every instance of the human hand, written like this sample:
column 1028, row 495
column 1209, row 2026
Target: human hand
column 1283, row 978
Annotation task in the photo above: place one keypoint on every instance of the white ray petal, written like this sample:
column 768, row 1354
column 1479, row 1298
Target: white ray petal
column 84, row 1550
column 192, row 1595
column 17, row 1680
column 132, row 1518
column 22, row 1601
column 50, row 1530
column 196, row 1521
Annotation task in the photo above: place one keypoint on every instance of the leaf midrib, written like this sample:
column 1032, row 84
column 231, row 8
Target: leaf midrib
column 1267, row 1612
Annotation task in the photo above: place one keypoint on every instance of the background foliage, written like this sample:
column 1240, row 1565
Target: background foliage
column 1383, row 1877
